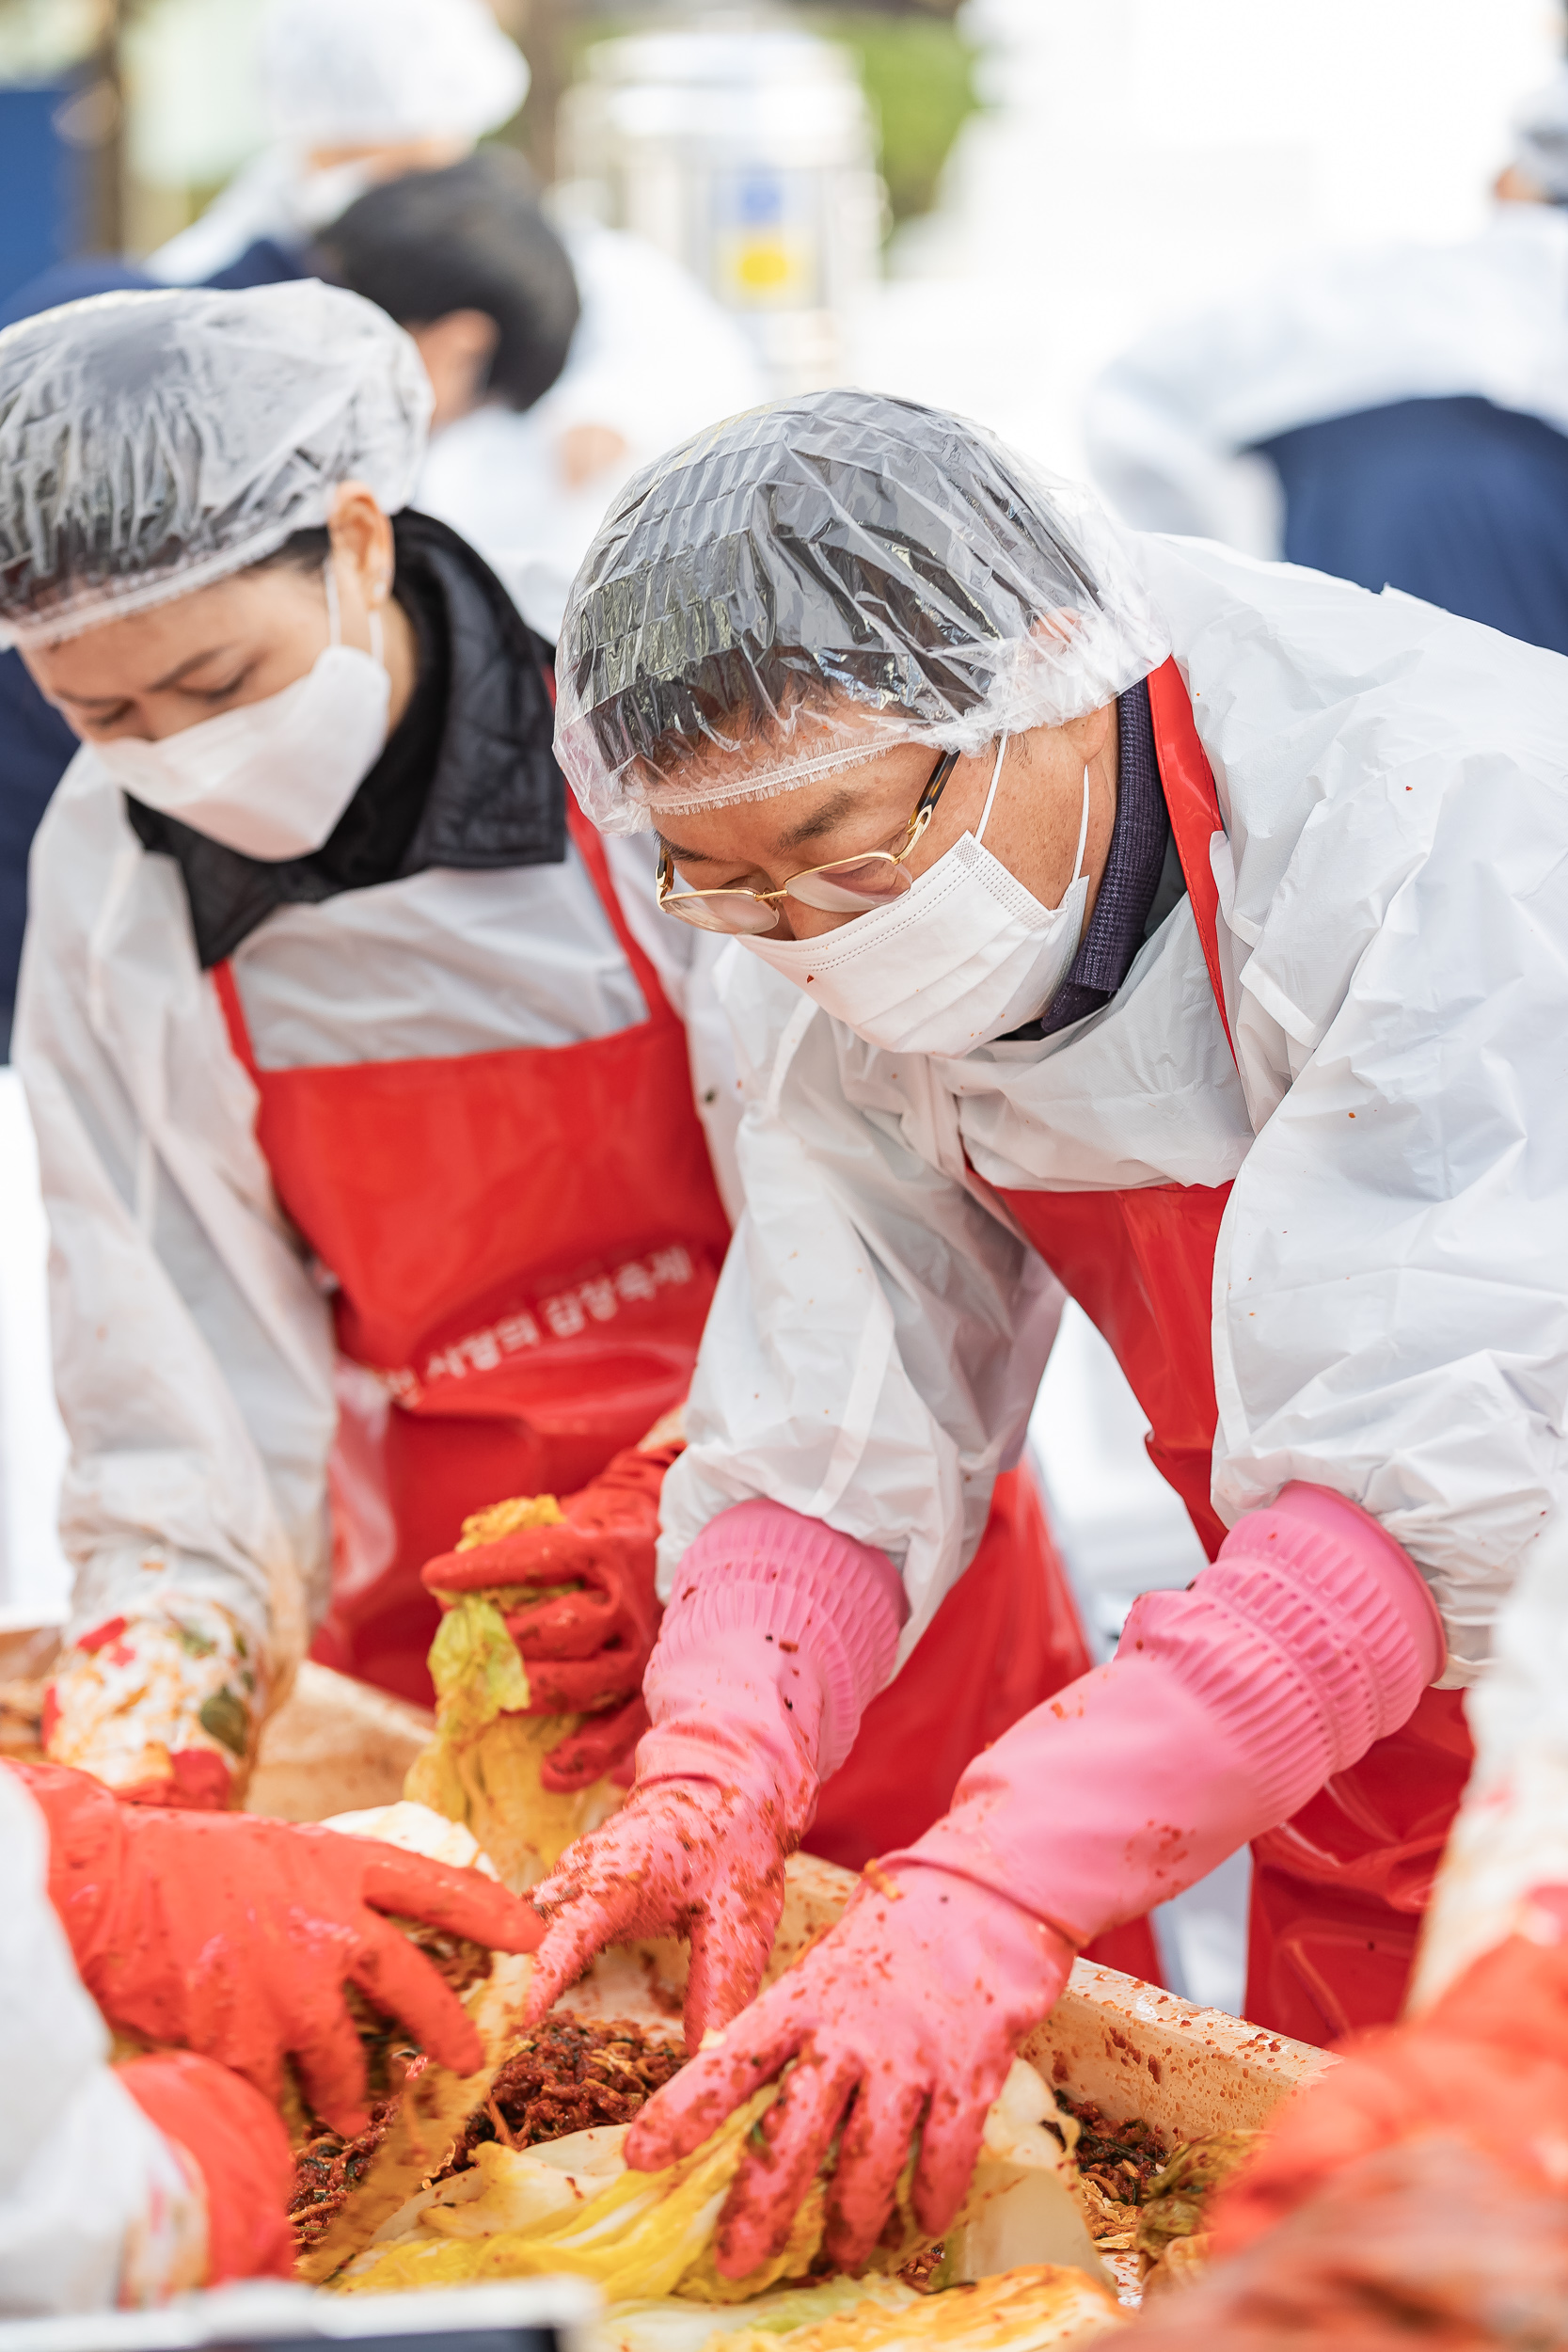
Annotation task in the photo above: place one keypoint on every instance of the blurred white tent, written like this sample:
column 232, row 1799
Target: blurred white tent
column 1141, row 157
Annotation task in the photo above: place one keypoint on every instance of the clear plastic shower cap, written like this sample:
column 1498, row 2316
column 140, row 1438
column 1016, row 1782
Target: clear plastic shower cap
column 367, row 72
column 153, row 442
column 791, row 591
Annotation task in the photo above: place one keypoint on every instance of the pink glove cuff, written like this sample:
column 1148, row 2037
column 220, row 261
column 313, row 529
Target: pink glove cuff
column 764, row 1577
column 1311, row 1636
column 1224, row 1709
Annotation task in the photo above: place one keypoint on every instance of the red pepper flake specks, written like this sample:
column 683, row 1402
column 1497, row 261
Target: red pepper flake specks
column 110, row 1630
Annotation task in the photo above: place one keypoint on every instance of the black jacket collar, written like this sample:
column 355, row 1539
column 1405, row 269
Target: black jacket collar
column 467, row 778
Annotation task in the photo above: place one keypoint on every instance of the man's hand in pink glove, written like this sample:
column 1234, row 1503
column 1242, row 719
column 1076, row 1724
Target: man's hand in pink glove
column 694, row 1858
column 1311, row 1636
column 235, row 1936
column 911, row 2007
column 586, row 1649
column 780, row 1632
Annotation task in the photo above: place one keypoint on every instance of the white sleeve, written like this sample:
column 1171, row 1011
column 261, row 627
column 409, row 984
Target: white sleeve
column 1165, row 425
column 1391, row 1281
column 879, row 1333
column 1511, row 1832
column 95, row 2207
column 193, row 1354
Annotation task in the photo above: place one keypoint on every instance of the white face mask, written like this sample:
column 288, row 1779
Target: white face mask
column 272, row 778
column 965, row 955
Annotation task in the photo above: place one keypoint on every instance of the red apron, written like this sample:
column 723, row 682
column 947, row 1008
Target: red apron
column 1338, row 1892
column 525, row 1244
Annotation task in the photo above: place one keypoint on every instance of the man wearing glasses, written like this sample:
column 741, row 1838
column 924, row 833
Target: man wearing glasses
column 1214, row 970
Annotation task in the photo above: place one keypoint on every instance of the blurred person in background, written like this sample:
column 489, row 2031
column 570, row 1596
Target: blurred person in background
column 329, row 993
column 357, row 92
column 363, row 93
column 568, row 356
column 228, row 1947
column 466, row 261
column 1397, row 416
column 562, row 358
column 36, row 744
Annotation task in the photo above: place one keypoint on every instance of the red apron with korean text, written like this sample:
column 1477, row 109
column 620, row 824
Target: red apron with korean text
column 525, row 1244
column 1338, row 1890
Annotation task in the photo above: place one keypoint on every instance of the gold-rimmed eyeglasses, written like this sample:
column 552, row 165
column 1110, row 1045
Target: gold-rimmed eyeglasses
column 845, row 886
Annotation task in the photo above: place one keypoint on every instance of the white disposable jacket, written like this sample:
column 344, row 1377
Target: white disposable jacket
column 193, row 1344
column 1166, row 424
column 1391, row 1298
column 92, row 2199
column 1511, row 1835
column 654, row 357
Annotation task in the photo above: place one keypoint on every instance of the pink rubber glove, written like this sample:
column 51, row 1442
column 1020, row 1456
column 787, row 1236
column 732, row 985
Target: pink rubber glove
column 1224, row 1708
column 781, row 1632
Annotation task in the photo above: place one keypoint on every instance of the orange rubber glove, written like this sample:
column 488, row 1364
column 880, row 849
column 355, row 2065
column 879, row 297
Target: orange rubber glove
column 236, row 2142
column 234, row 1936
column 585, row 1651
column 1487, row 2065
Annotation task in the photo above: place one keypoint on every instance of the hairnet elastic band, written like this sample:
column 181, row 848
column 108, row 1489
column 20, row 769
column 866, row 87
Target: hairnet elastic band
column 795, row 772
column 142, row 595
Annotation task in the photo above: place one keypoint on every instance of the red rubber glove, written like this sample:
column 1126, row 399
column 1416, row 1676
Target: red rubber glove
column 236, row 2142
column 234, row 1936
column 912, row 2007
column 781, row 1632
column 1487, row 2065
column 586, row 1651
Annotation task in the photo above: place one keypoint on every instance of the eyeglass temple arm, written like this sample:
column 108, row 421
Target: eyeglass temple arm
column 925, row 805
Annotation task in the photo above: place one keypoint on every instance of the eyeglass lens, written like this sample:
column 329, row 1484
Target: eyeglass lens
column 724, row 910
column 850, row 885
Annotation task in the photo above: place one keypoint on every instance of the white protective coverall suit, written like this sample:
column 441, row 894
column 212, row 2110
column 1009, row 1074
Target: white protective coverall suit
column 1167, row 426
column 95, row 2207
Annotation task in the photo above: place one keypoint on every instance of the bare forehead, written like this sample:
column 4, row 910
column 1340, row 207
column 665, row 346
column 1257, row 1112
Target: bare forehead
column 137, row 652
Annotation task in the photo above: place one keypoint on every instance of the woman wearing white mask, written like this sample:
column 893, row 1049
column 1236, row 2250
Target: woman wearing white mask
column 1188, row 929
column 364, row 1118
column 315, row 929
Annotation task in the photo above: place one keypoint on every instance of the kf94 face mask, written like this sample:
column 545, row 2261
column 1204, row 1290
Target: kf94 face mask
column 272, row 778
column 966, row 954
